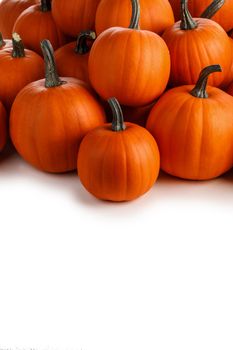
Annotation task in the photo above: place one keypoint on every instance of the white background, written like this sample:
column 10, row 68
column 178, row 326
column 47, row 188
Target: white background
column 78, row 273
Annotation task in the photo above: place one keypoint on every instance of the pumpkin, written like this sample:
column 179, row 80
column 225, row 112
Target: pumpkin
column 156, row 15
column 74, row 16
column 50, row 117
column 195, row 44
column 41, row 23
column 119, row 161
column 9, row 12
column 224, row 16
column 4, row 43
column 193, row 126
column 18, row 68
column 3, row 126
column 131, row 64
column 72, row 59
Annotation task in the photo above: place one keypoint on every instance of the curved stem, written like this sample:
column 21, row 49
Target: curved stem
column 200, row 87
column 18, row 47
column 82, row 48
column 187, row 22
column 45, row 5
column 2, row 42
column 212, row 8
column 117, row 115
column 134, row 23
column 51, row 77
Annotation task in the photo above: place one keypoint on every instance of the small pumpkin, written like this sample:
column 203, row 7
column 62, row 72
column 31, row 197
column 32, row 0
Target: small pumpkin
column 156, row 15
column 50, row 117
column 18, row 67
column 4, row 43
column 131, row 64
column 119, row 161
column 74, row 16
column 3, row 127
column 193, row 126
column 72, row 59
column 9, row 12
column 41, row 23
column 195, row 44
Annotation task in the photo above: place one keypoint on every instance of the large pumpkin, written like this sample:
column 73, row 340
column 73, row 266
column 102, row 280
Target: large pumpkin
column 73, row 16
column 41, row 23
column 193, row 126
column 118, row 161
column 9, row 12
column 131, row 64
column 156, row 15
column 195, row 44
column 72, row 59
column 18, row 67
column 3, row 126
column 50, row 117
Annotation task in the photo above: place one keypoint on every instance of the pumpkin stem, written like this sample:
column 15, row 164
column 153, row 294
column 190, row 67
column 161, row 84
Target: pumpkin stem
column 187, row 22
column 2, row 42
column 117, row 115
column 82, row 48
column 212, row 8
column 134, row 23
column 51, row 77
column 18, row 47
column 45, row 5
column 200, row 87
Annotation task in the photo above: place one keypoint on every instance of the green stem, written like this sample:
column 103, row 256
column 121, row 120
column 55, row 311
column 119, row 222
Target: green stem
column 45, row 5
column 212, row 8
column 117, row 115
column 199, row 90
column 82, row 48
column 134, row 23
column 51, row 76
column 18, row 47
column 2, row 42
column 187, row 22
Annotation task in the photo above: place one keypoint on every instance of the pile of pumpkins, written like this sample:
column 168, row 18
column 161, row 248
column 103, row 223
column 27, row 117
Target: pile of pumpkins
column 117, row 89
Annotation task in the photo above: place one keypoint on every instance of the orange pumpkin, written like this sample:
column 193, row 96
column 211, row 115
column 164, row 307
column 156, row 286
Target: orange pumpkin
column 72, row 59
column 4, row 43
column 3, row 126
column 131, row 64
column 195, row 44
column 197, row 8
column 118, row 162
column 41, row 23
column 74, row 16
column 156, row 15
column 193, row 126
column 18, row 67
column 50, row 117
column 9, row 12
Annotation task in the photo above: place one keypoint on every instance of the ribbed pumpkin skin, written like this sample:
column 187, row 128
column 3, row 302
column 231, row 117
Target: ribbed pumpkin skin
column 118, row 166
column 9, row 12
column 192, row 50
column 71, row 64
column 132, row 65
column 48, row 124
column 196, row 7
column 3, row 127
column 194, row 135
column 73, row 16
column 156, row 15
column 41, row 26
column 16, row 73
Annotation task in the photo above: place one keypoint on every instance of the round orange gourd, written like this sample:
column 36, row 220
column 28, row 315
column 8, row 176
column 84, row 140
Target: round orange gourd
column 18, row 68
column 72, row 59
column 131, row 64
column 195, row 44
column 156, row 15
column 74, row 16
column 118, row 162
column 197, row 8
column 193, row 126
column 9, row 12
column 3, row 126
column 50, row 117
column 42, row 25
